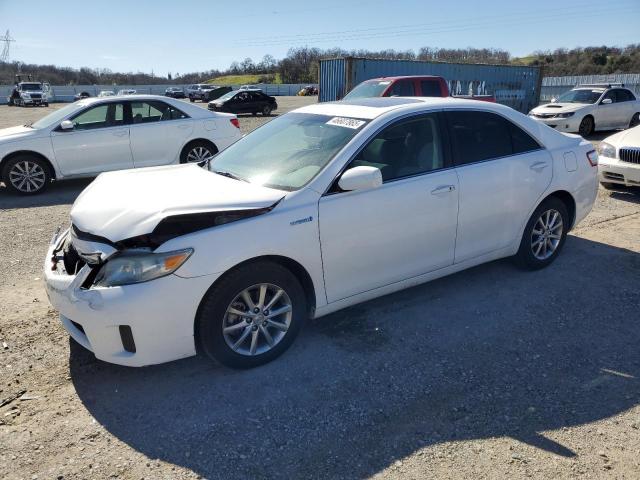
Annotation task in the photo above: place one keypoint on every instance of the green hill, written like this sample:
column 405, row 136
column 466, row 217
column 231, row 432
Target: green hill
column 245, row 79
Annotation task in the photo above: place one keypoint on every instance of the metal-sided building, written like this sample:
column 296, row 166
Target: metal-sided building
column 515, row 86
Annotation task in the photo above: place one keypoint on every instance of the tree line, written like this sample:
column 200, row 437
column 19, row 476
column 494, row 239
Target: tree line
column 300, row 65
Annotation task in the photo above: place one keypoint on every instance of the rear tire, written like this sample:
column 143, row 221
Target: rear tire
column 266, row 110
column 197, row 151
column 544, row 235
column 587, row 126
column 229, row 337
column 635, row 120
column 26, row 175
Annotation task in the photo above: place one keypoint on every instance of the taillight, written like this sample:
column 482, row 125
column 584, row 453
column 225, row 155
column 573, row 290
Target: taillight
column 592, row 156
column 235, row 122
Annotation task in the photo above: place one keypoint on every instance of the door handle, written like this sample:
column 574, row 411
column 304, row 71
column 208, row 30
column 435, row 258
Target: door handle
column 539, row 166
column 443, row 189
column 121, row 133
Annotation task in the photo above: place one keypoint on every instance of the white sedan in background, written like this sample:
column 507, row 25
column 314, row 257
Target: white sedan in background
column 322, row 208
column 588, row 108
column 620, row 159
column 98, row 135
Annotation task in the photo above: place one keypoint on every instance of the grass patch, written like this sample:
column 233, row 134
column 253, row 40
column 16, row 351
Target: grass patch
column 245, row 79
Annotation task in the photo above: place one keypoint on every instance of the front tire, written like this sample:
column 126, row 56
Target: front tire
column 544, row 235
column 587, row 126
column 252, row 316
column 266, row 110
column 26, row 175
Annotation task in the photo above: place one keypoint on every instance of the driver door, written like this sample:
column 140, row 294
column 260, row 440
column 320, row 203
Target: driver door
column 98, row 142
column 400, row 230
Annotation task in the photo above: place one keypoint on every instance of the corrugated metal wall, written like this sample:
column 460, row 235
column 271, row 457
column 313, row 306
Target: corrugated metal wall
column 332, row 79
column 556, row 86
column 65, row 93
column 518, row 87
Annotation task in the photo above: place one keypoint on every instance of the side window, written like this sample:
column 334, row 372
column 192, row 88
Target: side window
column 521, row 141
column 408, row 147
column 623, row 95
column 477, row 136
column 100, row 116
column 147, row 112
column 430, row 88
column 403, row 88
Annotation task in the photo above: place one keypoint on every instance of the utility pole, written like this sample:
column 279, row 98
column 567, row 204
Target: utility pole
column 6, row 39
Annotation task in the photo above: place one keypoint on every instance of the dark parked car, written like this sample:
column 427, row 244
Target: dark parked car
column 81, row 96
column 174, row 92
column 245, row 101
column 215, row 93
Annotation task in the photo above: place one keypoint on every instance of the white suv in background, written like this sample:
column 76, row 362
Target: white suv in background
column 97, row 135
column 588, row 108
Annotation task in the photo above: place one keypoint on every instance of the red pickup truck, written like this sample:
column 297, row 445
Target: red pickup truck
column 407, row 86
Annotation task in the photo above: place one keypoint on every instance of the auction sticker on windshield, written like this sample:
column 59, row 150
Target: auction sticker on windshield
column 346, row 122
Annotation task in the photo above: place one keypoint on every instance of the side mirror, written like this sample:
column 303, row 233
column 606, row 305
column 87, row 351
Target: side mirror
column 360, row 178
column 66, row 125
column 606, row 101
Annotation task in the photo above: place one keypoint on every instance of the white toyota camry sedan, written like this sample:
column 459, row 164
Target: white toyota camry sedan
column 98, row 135
column 319, row 209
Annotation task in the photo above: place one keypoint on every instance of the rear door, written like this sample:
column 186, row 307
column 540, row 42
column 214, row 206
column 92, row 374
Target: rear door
column 502, row 172
column 402, row 88
column 626, row 107
column 158, row 132
column 99, row 141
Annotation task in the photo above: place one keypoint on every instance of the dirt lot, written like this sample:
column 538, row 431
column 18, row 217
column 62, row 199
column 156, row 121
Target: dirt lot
column 489, row 373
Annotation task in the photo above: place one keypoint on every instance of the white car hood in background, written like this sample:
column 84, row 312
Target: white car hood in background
column 127, row 203
column 15, row 133
column 559, row 107
column 626, row 138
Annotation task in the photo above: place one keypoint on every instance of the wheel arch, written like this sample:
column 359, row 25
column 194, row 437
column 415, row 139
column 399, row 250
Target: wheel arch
column 9, row 156
column 568, row 200
column 295, row 267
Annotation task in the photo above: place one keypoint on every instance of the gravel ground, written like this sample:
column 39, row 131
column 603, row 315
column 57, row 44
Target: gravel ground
column 489, row 373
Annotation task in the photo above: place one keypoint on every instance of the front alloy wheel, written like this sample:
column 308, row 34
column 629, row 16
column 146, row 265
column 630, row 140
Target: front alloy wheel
column 251, row 315
column 257, row 319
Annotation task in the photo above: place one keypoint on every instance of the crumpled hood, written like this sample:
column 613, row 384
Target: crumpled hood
column 127, row 203
column 558, row 108
column 15, row 133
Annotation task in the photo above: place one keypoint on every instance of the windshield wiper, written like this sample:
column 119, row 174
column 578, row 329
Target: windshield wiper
column 230, row 175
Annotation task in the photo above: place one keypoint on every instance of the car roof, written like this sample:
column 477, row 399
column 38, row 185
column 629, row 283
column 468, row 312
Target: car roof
column 402, row 77
column 370, row 108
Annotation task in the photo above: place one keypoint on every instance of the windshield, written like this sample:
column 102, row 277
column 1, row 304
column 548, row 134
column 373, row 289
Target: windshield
column 368, row 89
column 31, row 86
column 227, row 96
column 289, row 151
column 580, row 96
column 58, row 115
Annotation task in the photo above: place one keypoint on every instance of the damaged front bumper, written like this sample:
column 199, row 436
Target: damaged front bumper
column 133, row 325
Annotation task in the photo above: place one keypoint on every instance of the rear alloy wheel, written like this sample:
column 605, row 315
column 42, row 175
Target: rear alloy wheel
column 266, row 110
column 252, row 316
column 544, row 235
column 26, row 175
column 586, row 126
column 635, row 120
column 197, row 152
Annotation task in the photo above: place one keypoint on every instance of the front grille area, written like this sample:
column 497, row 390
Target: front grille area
column 630, row 154
column 544, row 115
column 72, row 261
column 36, row 96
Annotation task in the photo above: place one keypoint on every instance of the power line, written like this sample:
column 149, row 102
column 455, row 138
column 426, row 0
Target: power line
column 445, row 26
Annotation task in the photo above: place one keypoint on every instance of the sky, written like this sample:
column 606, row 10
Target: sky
column 182, row 36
